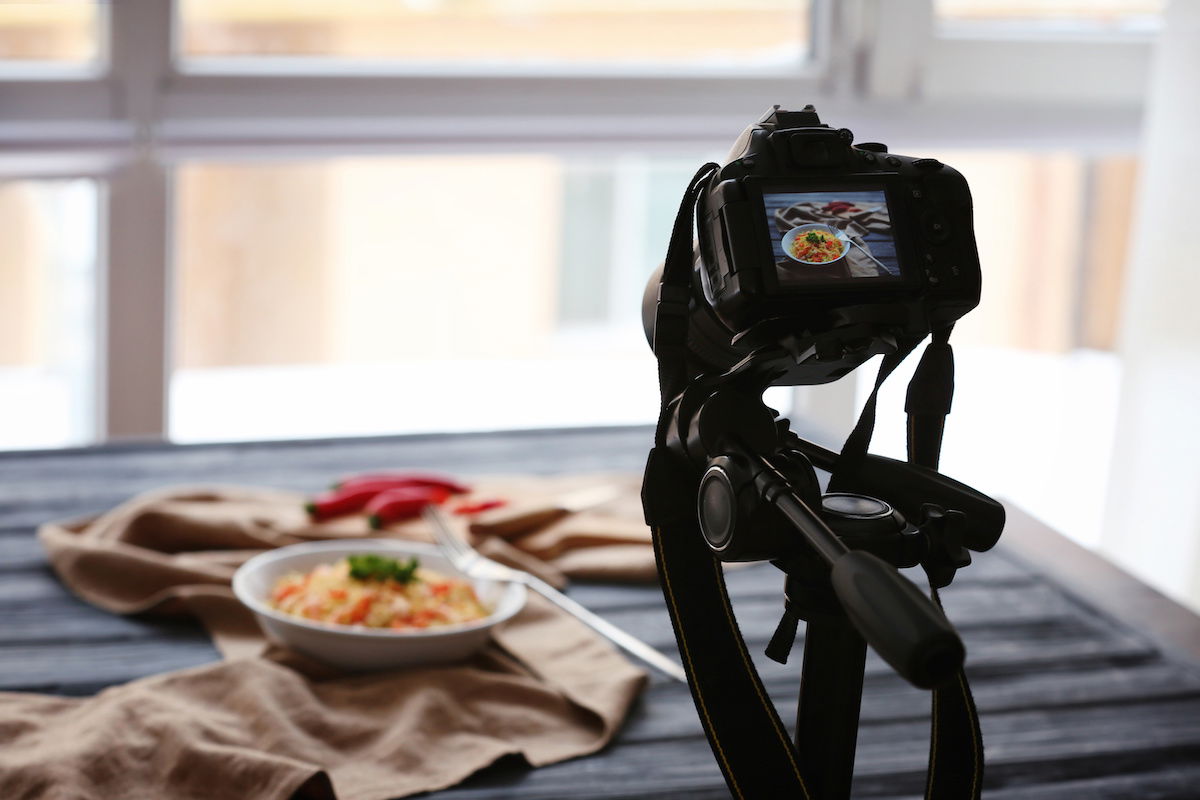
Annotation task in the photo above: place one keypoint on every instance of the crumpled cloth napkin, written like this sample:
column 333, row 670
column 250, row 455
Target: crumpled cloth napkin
column 266, row 723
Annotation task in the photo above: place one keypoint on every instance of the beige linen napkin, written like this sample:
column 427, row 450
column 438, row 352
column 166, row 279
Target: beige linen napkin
column 269, row 724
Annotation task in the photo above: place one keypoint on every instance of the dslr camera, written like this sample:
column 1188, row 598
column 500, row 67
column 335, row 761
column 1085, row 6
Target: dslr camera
column 816, row 253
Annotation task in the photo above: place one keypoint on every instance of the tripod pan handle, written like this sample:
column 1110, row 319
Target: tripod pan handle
column 897, row 619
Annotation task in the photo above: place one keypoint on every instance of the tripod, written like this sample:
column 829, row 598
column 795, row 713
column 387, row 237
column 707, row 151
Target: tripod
column 831, row 679
column 758, row 490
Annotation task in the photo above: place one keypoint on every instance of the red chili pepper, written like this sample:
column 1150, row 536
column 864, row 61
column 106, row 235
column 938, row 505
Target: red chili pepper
column 340, row 502
column 396, row 480
column 478, row 508
column 378, row 485
column 405, row 502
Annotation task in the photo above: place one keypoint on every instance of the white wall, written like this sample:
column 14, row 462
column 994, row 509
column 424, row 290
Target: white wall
column 1152, row 520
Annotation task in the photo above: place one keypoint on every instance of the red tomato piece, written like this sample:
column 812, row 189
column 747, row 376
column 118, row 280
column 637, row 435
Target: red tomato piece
column 359, row 612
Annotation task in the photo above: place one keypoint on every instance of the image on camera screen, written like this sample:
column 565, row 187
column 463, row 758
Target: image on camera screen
column 831, row 235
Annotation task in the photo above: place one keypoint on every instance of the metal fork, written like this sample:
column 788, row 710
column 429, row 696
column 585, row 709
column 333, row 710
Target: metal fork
column 471, row 562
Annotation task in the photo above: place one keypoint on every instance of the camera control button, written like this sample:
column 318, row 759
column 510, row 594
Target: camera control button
column 893, row 161
column 874, row 147
column 869, row 158
column 928, row 163
column 917, row 194
column 937, row 230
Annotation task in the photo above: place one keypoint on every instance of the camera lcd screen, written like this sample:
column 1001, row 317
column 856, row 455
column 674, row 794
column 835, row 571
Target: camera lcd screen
column 834, row 235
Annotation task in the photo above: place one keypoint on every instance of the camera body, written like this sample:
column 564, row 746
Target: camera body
column 816, row 254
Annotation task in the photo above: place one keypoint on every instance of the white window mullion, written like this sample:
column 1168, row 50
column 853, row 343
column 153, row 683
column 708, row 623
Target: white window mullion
column 896, row 39
column 134, row 315
column 135, row 320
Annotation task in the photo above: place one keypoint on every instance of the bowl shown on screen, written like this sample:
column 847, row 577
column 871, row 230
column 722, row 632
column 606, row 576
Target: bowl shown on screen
column 357, row 648
column 790, row 237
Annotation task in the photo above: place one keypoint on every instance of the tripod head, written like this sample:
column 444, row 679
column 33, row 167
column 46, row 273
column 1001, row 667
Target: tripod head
column 758, row 498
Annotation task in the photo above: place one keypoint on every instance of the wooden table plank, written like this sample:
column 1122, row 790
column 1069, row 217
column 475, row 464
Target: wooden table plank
column 1072, row 744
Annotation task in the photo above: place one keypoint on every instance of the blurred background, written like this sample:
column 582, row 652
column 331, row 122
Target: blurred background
column 228, row 220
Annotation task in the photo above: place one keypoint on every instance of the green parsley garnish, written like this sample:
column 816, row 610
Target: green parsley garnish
column 812, row 237
column 370, row 567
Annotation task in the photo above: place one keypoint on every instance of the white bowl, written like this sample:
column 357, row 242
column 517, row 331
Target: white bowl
column 791, row 235
column 357, row 648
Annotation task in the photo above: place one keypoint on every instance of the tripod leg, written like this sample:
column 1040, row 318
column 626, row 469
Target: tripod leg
column 830, row 698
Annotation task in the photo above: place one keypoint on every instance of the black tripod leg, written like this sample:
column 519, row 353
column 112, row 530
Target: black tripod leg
column 830, row 698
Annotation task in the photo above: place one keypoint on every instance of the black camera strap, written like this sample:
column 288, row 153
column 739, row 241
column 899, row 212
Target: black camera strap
column 956, row 741
column 674, row 294
column 854, row 450
column 751, row 745
column 930, row 393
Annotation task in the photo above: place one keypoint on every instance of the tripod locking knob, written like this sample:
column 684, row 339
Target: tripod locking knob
column 900, row 622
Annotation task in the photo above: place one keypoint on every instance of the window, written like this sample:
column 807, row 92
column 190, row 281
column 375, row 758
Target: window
column 1051, row 15
column 377, row 294
column 251, row 157
column 48, row 311
column 50, row 34
column 557, row 32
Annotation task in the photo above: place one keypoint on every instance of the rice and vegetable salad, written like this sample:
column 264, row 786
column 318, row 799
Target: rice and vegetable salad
column 817, row 247
column 377, row 592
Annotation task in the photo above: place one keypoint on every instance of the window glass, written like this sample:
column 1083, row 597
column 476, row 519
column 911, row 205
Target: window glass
column 47, row 312
column 1052, row 14
column 416, row 293
column 55, row 32
column 704, row 32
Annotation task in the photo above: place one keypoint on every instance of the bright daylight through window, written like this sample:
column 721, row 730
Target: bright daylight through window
column 347, row 282
column 47, row 311
column 554, row 33
column 50, row 35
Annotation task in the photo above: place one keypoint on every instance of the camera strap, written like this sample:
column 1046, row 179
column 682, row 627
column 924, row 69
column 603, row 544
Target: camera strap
column 854, row 451
column 674, row 294
column 956, row 741
column 750, row 743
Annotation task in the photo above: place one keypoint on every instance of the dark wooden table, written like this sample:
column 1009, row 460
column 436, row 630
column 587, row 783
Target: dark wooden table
column 1088, row 682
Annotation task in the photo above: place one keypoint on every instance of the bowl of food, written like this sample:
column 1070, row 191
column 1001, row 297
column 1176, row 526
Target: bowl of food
column 815, row 244
column 371, row 604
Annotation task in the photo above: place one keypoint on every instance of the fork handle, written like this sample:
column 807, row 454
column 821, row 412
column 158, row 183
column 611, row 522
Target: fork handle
column 620, row 638
column 867, row 253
